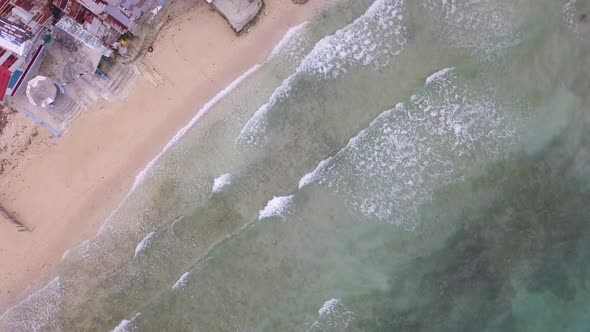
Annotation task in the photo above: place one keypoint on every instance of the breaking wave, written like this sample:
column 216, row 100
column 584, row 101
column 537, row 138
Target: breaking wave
column 276, row 207
column 371, row 40
column 393, row 165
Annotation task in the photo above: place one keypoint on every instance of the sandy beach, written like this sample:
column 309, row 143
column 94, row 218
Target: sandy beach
column 66, row 187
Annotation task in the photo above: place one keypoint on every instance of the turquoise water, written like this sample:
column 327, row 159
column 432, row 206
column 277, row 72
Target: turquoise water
column 395, row 166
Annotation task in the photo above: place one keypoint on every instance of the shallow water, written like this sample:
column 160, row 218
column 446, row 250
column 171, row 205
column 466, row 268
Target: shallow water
column 394, row 166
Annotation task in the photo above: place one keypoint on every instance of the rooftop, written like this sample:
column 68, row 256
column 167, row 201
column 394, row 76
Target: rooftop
column 28, row 14
column 20, row 21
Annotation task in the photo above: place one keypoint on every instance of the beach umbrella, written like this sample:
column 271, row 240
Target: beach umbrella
column 41, row 91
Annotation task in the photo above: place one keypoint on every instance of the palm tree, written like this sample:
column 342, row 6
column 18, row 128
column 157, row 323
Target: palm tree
column 13, row 220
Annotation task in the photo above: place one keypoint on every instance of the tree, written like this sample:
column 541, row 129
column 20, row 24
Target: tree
column 13, row 220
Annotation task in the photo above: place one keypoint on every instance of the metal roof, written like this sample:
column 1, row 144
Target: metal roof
column 13, row 10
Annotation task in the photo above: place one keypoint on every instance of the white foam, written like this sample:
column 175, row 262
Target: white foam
column 256, row 124
column 390, row 167
column 193, row 121
column 126, row 325
column 328, row 163
column 143, row 244
column 313, row 175
column 569, row 15
column 182, row 281
column 362, row 42
column 328, row 307
column 332, row 316
column 176, row 221
column 106, row 223
column 220, row 182
column 66, row 253
column 439, row 74
column 37, row 311
column 141, row 175
column 485, row 26
column 276, row 207
column 289, row 35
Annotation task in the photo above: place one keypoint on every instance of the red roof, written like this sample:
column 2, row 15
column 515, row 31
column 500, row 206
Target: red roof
column 4, row 80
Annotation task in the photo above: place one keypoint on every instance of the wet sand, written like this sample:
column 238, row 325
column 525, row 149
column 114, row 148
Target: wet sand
column 65, row 188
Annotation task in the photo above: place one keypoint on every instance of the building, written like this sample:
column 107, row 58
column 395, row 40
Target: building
column 100, row 23
column 81, row 33
column 21, row 44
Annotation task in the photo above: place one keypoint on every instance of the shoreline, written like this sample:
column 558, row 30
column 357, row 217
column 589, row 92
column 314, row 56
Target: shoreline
column 200, row 113
column 68, row 189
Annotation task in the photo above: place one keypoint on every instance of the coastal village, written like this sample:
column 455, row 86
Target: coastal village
column 59, row 57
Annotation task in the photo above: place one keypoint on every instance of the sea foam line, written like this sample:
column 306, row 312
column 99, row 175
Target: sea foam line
column 139, row 178
column 323, row 165
column 182, row 281
column 312, row 176
column 439, row 74
column 176, row 221
column 315, row 62
column 281, row 44
column 125, row 325
column 328, row 307
column 141, row 175
column 143, row 244
column 289, row 35
column 254, row 122
column 221, row 182
column 65, row 254
column 333, row 315
column 51, row 289
column 276, row 207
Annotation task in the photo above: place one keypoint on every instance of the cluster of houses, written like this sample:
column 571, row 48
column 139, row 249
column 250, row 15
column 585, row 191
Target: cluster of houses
column 26, row 26
column 46, row 45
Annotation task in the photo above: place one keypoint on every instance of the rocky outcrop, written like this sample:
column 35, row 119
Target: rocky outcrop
column 239, row 13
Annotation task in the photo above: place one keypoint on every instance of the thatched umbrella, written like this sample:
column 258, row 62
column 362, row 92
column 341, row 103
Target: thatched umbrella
column 41, row 91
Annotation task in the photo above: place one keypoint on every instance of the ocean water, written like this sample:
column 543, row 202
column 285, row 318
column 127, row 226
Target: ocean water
column 395, row 165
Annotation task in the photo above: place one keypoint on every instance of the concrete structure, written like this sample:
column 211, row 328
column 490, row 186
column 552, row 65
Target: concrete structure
column 72, row 64
column 239, row 13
